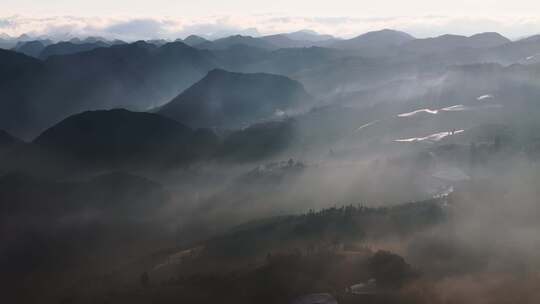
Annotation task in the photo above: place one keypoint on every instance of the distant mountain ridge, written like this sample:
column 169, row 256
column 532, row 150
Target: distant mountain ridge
column 68, row 48
column 309, row 35
column 449, row 42
column 227, row 42
column 194, row 40
column 44, row 48
column 297, row 39
column 375, row 39
column 35, row 94
column 31, row 48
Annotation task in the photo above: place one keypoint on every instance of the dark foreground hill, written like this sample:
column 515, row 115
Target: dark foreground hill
column 226, row 99
column 118, row 137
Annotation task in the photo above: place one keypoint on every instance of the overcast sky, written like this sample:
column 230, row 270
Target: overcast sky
column 380, row 8
column 168, row 18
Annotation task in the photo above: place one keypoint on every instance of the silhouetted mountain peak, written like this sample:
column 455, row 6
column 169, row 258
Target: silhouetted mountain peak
column 94, row 39
column 143, row 44
column 103, row 120
column 176, row 45
column 375, row 39
column 389, row 32
column 118, row 136
column 300, row 39
column 490, row 38
column 193, row 40
column 217, row 72
column 309, row 35
column 229, row 99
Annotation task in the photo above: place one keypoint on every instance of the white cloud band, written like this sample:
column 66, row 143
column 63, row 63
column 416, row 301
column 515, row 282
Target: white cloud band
column 129, row 28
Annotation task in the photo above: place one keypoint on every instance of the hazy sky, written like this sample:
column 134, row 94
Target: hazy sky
column 380, row 8
column 167, row 18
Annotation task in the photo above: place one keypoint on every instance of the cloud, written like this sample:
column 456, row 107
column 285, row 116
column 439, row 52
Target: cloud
column 138, row 28
column 6, row 23
column 62, row 27
column 213, row 30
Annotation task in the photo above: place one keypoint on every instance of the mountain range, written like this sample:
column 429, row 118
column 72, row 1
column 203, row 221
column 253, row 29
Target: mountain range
column 96, row 74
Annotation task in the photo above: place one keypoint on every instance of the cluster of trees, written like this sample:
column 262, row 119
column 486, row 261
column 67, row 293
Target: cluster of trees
column 326, row 228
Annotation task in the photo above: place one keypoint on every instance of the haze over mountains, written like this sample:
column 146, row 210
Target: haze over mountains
column 95, row 73
column 272, row 169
